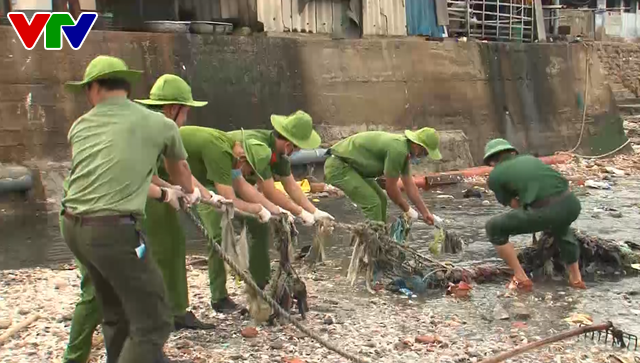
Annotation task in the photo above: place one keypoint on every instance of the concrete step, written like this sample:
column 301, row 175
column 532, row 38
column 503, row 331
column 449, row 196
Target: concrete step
column 628, row 101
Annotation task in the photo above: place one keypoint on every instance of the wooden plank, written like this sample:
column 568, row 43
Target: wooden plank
column 539, row 15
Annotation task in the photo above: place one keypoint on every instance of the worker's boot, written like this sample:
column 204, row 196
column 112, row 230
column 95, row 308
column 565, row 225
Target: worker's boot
column 225, row 306
column 189, row 321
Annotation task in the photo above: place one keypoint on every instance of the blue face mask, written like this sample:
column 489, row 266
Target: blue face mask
column 236, row 173
column 415, row 160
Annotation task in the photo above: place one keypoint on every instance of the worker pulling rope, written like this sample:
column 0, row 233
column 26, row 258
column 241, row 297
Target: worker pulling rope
column 273, row 304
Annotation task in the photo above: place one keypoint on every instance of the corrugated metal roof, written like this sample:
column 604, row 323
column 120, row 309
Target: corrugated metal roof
column 316, row 16
column 384, row 17
column 270, row 14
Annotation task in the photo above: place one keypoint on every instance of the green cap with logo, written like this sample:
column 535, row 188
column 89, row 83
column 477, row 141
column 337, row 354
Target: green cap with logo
column 104, row 67
column 258, row 154
column 297, row 128
column 495, row 146
column 170, row 89
column 427, row 138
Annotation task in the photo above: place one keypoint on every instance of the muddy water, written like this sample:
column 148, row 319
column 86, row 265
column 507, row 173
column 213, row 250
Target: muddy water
column 35, row 241
column 618, row 301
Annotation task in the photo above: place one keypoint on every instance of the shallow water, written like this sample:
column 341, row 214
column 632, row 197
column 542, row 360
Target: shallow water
column 29, row 241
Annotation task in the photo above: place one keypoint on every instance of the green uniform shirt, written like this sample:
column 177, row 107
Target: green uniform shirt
column 375, row 153
column 210, row 154
column 527, row 178
column 115, row 148
column 279, row 164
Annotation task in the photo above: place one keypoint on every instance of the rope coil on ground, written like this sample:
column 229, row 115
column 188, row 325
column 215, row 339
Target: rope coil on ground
column 274, row 305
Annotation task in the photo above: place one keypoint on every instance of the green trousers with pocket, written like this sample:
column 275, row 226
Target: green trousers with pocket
column 555, row 218
column 136, row 316
column 166, row 245
column 259, row 240
column 365, row 193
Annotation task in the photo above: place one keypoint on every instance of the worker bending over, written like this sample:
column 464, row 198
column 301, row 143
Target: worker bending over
column 356, row 161
column 221, row 163
column 290, row 134
column 541, row 201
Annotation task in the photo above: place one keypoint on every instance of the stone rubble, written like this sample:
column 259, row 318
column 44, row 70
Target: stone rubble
column 381, row 327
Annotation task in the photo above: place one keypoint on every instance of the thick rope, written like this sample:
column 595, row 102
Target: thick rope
column 274, row 305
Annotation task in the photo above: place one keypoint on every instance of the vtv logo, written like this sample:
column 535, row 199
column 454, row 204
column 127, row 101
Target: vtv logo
column 54, row 25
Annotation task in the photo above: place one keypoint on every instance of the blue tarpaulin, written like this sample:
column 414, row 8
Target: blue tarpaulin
column 421, row 18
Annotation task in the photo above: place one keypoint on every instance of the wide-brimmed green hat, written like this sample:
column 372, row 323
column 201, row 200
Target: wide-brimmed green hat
column 495, row 146
column 427, row 138
column 297, row 128
column 258, row 154
column 103, row 67
column 170, row 89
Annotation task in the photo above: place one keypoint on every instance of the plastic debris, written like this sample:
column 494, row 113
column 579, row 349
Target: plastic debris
column 597, row 185
column 579, row 319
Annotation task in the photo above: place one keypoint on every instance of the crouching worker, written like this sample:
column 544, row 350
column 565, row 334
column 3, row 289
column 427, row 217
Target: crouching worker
column 356, row 161
column 541, row 201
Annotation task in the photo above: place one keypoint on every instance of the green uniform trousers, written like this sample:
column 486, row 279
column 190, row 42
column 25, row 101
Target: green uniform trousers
column 555, row 218
column 259, row 239
column 365, row 193
column 136, row 316
column 166, row 244
column 86, row 318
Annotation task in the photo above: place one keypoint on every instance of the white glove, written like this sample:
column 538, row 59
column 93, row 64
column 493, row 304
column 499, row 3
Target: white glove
column 172, row 196
column 437, row 221
column 307, row 218
column 264, row 215
column 216, row 200
column 290, row 216
column 319, row 214
column 194, row 197
column 412, row 214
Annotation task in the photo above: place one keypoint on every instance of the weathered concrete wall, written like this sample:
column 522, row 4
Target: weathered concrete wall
column 368, row 83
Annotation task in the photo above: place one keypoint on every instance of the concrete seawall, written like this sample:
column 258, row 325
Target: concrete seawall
column 346, row 85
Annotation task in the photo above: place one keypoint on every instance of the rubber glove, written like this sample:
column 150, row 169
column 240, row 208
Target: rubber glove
column 216, row 200
column 437, row 221
column 264, row 215
column 412, row 214
column 320, row 214
column 307, row 218
column 194, row 197
column 172, row 196
column 290, row 216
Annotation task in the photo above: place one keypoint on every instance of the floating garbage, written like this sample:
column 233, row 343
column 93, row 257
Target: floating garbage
column 597, row 185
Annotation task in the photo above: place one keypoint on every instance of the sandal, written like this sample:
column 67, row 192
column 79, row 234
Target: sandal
column 525, row 285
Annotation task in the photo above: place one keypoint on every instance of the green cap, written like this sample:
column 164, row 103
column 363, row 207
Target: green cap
column 427, row 138
column 258, row 154
column 171, row 90
column 297, row 128
column 495, row 146
column 104, row 67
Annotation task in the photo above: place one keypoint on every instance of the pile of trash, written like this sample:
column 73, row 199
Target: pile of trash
column 598, row 256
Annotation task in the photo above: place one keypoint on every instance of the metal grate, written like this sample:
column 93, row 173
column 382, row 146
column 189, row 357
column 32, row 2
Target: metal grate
column 491, row 20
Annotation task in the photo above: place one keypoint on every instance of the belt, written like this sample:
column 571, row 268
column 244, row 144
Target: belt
column 545, row 202
column 99, row 220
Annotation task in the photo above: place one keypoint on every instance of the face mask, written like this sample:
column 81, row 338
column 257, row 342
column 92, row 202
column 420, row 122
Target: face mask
column 236, row 173
column 415, row 160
